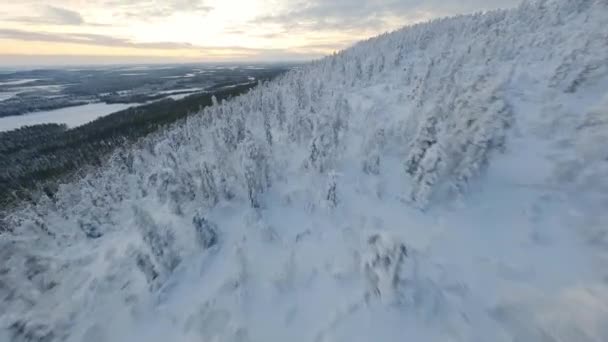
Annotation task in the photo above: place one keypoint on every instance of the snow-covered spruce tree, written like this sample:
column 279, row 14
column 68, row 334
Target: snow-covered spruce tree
column 254, row 163
column 426, row 138
column 431, row 104
column 206, row 231
column 158, row 239
column 331, row 196
column 208, row 187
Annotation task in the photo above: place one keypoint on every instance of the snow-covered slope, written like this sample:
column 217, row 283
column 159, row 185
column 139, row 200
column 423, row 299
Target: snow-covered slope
column 445, row 182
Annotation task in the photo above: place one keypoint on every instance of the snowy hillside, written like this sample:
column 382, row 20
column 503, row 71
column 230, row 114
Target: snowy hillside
column 445, row 182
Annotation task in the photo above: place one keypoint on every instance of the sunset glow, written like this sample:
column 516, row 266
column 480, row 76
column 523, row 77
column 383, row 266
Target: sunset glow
column 203, row 30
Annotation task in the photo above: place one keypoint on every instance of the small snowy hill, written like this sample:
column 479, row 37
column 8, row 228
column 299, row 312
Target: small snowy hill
column 445, row 182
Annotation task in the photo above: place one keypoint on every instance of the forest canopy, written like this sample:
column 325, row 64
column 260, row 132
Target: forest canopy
column 34, row 159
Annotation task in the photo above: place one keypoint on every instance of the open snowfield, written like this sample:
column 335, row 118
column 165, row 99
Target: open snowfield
column 445, row 182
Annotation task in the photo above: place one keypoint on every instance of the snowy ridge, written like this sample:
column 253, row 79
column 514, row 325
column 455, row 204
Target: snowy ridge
column 443, row 182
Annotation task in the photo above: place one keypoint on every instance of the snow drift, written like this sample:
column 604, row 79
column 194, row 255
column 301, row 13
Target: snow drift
column 448, row 181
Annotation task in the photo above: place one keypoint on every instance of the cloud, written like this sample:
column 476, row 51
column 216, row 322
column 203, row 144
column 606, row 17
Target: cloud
column 233, row 52
column 45, row 61
column 371, row 14
column 86, row 38
column 64, row 16
column 147, row 10
column 302, row 28
column 52, row 15
column 154, row 9
column 305, row 52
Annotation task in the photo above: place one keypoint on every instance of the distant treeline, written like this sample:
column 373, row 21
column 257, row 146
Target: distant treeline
column 36, row 158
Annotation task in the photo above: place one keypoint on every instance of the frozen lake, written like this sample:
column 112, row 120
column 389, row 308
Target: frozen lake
column 71, row 116
column 17, row 82
column 7, row 95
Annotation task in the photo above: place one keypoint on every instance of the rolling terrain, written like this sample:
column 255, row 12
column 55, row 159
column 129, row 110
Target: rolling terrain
column 29, row 91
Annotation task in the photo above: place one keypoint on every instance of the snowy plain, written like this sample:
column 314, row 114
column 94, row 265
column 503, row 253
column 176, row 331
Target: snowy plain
column 445, row 182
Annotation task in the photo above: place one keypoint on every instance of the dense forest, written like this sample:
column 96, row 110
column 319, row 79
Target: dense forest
column 35, row 158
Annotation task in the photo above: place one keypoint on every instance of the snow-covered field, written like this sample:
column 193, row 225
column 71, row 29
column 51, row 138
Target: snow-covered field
column 71, row 116
column 180, row 96
column 5, row 95
column 445, row 182
column 18, row 82
column 171, row 93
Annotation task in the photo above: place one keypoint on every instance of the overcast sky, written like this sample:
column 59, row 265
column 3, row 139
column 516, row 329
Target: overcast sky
column 119, row 31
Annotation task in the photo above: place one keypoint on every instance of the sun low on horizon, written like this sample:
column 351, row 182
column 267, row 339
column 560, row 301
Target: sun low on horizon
column 107, row 31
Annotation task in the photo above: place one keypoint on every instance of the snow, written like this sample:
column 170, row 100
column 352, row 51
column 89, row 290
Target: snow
column 181, row 96
column 171, row 91
column 5, row 95
column 188, row 75
column 18, row 82
column 50, row 88
column 71, row 116
column 445, row 182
